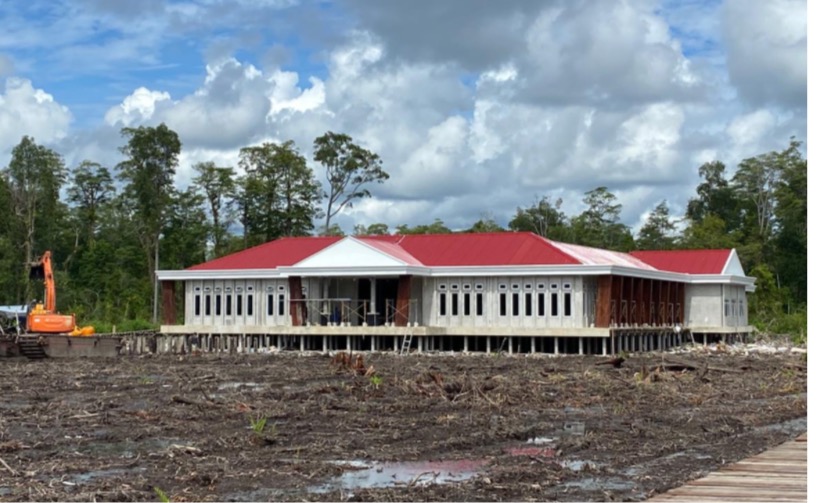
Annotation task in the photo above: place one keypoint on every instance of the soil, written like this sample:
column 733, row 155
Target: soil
column 294, row 426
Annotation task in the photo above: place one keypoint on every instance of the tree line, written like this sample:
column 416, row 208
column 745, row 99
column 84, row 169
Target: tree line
column 110, row 229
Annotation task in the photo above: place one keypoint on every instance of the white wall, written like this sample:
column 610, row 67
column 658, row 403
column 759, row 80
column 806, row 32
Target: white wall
column 716, row 306
column 506, row 301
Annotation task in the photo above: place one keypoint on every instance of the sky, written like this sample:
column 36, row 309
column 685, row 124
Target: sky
column 475, row 107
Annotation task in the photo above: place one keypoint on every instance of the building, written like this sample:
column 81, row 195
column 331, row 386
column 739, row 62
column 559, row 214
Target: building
column 471, row 292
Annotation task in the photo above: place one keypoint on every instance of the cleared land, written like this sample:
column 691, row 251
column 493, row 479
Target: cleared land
column 294, row 426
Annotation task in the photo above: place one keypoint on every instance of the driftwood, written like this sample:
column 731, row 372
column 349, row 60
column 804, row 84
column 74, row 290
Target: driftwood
column 615, row 362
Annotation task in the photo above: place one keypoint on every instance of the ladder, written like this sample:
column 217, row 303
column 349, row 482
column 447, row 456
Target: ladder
column 406, row 344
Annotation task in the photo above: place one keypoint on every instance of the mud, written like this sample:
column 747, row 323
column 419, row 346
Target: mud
column 294, row 427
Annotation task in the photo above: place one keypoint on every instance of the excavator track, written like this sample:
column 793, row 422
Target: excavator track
column 32, row 347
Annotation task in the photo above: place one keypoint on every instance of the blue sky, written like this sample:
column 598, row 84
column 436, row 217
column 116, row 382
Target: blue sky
column 476, row 108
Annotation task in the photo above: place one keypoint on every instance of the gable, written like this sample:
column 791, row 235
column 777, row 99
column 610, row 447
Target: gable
column 350, row 252
column 733, row 265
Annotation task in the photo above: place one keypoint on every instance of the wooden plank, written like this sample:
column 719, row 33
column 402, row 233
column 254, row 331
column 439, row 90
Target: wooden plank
column 779, row 474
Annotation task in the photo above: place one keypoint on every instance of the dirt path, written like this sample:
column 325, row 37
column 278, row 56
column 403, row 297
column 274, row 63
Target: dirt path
column 440, row 428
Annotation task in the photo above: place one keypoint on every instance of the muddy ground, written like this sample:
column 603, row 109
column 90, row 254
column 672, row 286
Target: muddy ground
column 293, row 426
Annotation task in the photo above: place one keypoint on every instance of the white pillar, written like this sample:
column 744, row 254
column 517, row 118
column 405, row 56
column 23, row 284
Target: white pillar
column 465, row 343
column 301, row 343
column 532, row 345
column 580, row 345
column 604, row 346
column 488, row 344
column 373, row 343
column 324, row 343
column 373, row 296
column 557, row 341
column 510, row 345
column 348, row 343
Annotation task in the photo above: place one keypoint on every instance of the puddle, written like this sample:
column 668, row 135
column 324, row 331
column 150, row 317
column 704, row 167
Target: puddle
column 236, row 386
column 792, row 427
column 601, row 484
column 641, row 468
column 576, row 465
column 377, row 475
column 83, row 478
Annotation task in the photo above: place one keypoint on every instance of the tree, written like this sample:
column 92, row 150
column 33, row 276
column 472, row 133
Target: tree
column 278, row 195
column 218, row 187
column 657, row 233
column 600, row 224
column 715, row 197
column 185, row 231
column 34, row 178
column 348, row 169
column 375, row 229
column 436, row 227
column 148, row 172
column 90, row 188
column 485, row 225
column 791, row 241
column 543, row 218
column 710, row 233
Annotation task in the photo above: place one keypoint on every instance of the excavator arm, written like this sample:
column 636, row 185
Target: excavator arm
column 42, row 269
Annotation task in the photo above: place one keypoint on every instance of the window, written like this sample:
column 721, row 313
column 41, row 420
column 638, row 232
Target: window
column 281, row 304
column 466, row 287
column 198, row 305
column 567, row 286
column 541, row 303
column 239, row 304
column 227, row 308
column 441, row 287
column 478, row 286
column 553, row 286
column 479, row 304
column 455, row 287
column 567, row 304
column 554, row 297
column 727, row 308
column 270, row 304
column 207, row 304
column 515, row 286
column 502, row 304
column 528, row 300
column 541, row 286
column 250, row 305
column 442, row 304
column 466, row 304
column 741, row 308
column 454, row 302
column 515, row 304
column 218, row 305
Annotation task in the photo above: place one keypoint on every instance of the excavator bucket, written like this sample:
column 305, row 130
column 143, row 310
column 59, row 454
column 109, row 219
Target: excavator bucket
column 36, row 271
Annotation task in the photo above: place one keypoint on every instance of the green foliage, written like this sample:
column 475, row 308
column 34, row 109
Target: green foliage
column 658, row 231
column 218, row 187
column 376, row 229
column 278, row 195
column 600, row 224
column 544, row 219
column 436, row 227
column 258, row 425
column 376, row 380
column 349, row 168
column 162, row 496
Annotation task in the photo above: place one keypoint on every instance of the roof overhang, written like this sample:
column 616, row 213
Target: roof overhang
column 471, row 271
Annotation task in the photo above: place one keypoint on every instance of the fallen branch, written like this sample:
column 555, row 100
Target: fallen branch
column 9, row 468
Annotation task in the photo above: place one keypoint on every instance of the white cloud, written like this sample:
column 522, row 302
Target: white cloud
column 137, row 107
column 767, row 50
column 26, row 111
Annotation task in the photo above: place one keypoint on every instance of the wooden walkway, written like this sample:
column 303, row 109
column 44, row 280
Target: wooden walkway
column 778, row 474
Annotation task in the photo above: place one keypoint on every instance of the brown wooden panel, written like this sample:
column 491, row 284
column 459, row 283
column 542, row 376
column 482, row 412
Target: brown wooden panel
column 168, row 314
column 403, row 300
column 640, row 306
column 297, row 304
column 603, row 310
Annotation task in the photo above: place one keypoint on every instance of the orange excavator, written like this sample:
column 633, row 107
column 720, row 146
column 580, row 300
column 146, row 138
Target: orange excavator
column 43, row 318
column 49, row 333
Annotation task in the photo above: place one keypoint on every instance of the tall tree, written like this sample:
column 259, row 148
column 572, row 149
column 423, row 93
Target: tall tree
column 278, row 195
column 715, row 196
column 90, row 188
column 436, row 227
column 658, row 231
column 349, row 168
column 218, row 187
column 148, row 173
column 791, row 241
column 600, row 224
column 543, row 218
column 35, row 177
column 185, row 231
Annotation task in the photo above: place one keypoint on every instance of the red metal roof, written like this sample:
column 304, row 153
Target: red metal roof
column 482, row 249
column 281, row 252
column 686, row 261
